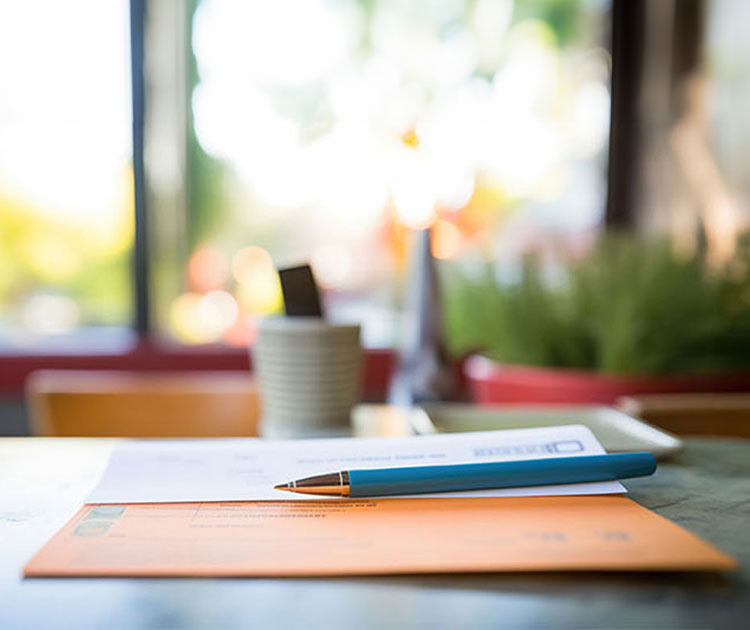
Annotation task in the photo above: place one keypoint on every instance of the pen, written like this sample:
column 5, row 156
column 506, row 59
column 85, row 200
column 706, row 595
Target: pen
column 457, row 477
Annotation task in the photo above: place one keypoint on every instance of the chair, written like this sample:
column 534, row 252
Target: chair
column 138, row 404
column 725, row 415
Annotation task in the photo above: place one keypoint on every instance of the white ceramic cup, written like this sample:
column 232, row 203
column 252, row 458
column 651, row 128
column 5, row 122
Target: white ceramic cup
column 308, row 371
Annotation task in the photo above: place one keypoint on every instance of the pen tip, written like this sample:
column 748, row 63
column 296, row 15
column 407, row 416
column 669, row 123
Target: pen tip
column 283, row 486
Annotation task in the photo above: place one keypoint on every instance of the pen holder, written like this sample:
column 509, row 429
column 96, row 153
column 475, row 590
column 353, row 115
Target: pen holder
column 308, row 371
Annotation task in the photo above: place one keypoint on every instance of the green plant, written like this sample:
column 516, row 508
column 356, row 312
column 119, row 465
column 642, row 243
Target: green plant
column 630, row 306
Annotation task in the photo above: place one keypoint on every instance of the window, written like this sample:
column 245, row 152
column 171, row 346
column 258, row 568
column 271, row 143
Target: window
column 66, row 181
column 321, row 130
column 328, row 130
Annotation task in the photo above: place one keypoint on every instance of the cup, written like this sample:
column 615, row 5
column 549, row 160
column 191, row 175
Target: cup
column 308, row 371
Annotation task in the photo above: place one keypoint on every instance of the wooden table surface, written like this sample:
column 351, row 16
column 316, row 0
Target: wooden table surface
column 706, row 489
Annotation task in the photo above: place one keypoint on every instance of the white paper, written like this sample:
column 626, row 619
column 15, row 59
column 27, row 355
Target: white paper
column 164, row 471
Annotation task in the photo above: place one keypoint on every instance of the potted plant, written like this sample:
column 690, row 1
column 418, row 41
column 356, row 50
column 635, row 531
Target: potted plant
column 631, row 316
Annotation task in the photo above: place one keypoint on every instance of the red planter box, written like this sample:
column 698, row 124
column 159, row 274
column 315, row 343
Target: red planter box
column 492, row 382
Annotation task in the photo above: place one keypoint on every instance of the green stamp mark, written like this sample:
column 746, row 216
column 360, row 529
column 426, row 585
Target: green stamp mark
column 106, row 511
column 92, row 528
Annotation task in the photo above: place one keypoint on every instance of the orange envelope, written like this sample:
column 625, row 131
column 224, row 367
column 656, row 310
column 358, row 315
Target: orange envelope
column 345, row 537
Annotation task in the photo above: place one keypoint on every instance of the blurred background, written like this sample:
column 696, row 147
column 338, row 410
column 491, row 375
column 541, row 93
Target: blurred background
column 159, row 159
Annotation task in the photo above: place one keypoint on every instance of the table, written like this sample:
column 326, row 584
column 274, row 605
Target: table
column 706, row 489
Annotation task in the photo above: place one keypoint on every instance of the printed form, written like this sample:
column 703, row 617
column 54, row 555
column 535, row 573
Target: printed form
column 370, row 537
column 179, row 471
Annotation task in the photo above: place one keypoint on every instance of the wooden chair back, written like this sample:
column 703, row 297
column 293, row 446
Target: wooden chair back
column 139, row 404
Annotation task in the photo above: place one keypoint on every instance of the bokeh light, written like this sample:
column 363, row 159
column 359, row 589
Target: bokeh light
column 50, row 314
column 447, row 240
column 196, row 318
column 217, row 311
column 258, row 286
column 207, row 269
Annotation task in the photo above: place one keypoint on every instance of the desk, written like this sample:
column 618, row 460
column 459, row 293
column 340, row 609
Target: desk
column 706, row 489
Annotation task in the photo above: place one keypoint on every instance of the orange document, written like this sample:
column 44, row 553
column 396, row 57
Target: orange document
column 347, row 537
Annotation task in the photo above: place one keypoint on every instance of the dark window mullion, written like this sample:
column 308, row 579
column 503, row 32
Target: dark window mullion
column 140, row 254
column 628, row 27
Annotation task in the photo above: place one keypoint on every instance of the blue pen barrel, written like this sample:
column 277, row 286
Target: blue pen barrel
column 534, row 472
